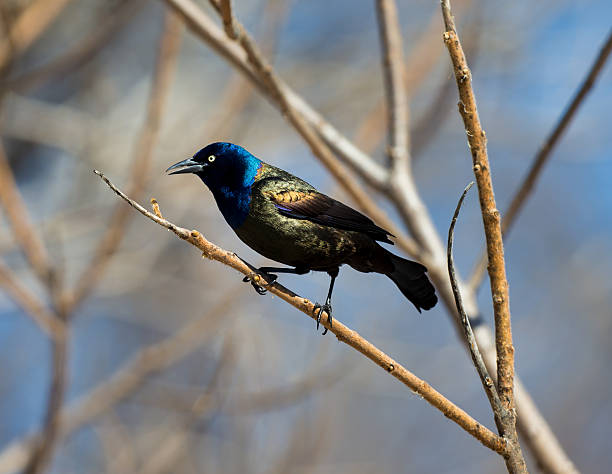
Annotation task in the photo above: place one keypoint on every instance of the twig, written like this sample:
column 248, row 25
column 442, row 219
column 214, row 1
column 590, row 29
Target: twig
column 21, row 224
column 168, row 51
column 41, row 455
column 30, row 304
column 544, row 153
column 393, row 69
column 343, row 333
column 228, row 19
column 495, row 250
column 487, row 382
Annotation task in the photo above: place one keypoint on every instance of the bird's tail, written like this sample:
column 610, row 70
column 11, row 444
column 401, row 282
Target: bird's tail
column 410, row 277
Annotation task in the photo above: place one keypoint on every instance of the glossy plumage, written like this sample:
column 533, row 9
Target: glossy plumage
column 287, row 220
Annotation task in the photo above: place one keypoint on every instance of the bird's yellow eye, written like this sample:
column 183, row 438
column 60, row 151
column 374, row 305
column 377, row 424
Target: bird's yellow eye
column 211, row 158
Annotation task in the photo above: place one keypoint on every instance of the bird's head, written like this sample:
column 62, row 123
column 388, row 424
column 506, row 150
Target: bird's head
column 220, row 165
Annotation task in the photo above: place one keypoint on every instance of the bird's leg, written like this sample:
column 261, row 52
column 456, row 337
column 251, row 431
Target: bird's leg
column 327, row 306
column 265, row 273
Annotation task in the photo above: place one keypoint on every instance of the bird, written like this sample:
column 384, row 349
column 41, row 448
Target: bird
column 287, row 220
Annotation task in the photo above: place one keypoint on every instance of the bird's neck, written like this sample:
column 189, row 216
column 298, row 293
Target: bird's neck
column 233, row 196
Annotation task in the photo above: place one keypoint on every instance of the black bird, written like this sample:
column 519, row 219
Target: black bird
column 287, row 220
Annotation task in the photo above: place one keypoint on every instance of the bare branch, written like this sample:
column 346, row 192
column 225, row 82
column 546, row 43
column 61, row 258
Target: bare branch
column 495, row 250
column 526, row 187
column 30, row 304
column 21, row 224
column 393, row 71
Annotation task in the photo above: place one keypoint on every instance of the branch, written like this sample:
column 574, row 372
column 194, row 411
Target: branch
column 24, row 231
column 544, row 153
column 495, row 250
column 343, row 333
column 485, row 378
column 393, row 71
column 47, row 321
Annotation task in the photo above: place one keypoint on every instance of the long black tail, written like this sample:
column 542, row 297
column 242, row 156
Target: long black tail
column 410, row 277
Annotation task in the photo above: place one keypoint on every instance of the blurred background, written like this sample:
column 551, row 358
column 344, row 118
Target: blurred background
column 203, row 375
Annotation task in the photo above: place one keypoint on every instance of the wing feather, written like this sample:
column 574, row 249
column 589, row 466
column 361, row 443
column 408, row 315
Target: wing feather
column 324, row 210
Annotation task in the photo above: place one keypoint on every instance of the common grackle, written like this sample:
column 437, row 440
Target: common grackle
column 287, row 220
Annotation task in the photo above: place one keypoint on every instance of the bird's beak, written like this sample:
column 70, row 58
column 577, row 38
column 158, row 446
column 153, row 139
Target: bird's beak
column 186, row 166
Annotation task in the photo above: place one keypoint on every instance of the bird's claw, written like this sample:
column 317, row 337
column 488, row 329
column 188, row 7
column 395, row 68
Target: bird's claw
column 256, row 278
column 323, row 307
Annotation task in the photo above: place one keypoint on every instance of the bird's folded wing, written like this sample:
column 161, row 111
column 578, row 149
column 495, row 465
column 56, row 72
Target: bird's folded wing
column 321, row 209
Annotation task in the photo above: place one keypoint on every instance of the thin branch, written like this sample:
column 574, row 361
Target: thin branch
column 393, row 71
column 41, row 455
column 50, row 323
column 526, row 187
column 21, row 224
column 343, row 333
column 228, row 19
column 419, row 63
column 487, row 382
column 495, row 250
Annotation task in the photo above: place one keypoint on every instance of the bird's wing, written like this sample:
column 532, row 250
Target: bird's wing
column 317, row 207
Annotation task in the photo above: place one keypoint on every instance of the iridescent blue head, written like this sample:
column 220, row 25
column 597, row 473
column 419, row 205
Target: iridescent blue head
column 229, row 171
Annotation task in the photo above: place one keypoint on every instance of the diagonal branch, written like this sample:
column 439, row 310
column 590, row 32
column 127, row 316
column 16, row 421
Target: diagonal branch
column 21, row 224
column 526, row 187
column 343, row 333
column 48, row 321
column 495, row 250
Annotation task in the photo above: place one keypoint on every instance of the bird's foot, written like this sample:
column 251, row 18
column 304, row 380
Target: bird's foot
column 256, row 281
column 318, row 312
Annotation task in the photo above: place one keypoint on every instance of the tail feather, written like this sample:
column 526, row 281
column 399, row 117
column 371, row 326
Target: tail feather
column 410, row 277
